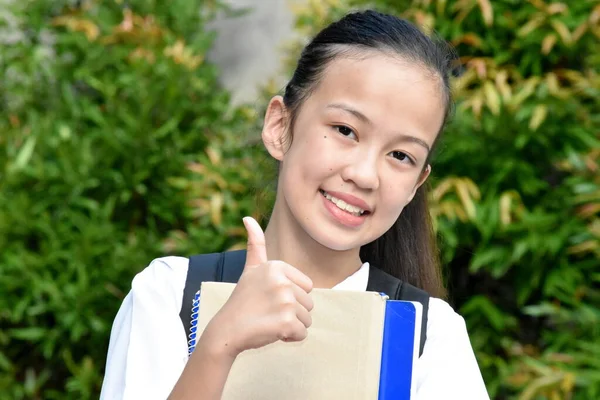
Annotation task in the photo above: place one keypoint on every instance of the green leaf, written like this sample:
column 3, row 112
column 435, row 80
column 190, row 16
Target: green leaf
column 487, row 257
column 29, row 334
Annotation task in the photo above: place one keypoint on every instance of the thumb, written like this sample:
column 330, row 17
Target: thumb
column 256, row 252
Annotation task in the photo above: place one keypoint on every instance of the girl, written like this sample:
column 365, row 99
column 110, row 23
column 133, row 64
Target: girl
column 353, row 135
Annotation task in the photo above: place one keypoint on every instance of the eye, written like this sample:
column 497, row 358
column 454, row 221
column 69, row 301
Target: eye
column 402, row 156
column 345, row 131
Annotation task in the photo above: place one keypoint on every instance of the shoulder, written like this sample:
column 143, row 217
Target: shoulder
column 163, row 278
column 442, row 316
column 446, row 329
column 171, row 268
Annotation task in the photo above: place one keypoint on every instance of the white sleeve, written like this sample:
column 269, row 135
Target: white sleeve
column 447, row 369
column 148, row 345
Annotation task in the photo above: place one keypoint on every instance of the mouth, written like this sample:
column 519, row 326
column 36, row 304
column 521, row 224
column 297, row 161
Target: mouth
column 342, row 205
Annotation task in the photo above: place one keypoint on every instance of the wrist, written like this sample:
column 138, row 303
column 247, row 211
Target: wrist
column 216, row 343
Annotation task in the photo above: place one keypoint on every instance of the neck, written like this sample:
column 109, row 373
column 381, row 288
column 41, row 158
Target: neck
column 287, row 241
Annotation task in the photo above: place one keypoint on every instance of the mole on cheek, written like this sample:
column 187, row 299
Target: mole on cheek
column 325, row 137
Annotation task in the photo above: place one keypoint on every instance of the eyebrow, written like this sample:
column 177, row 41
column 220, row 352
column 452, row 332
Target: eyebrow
column 366, row 120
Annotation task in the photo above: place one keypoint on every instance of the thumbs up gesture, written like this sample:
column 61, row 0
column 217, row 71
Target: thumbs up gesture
column 270, row 302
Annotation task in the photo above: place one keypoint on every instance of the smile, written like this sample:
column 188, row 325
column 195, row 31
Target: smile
column 342, row 205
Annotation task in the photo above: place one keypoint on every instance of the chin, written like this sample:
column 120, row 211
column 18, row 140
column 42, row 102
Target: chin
column 336, row 241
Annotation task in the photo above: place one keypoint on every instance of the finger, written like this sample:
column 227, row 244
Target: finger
column 294, row 275
column 303, row 298
column 256, row 252
column 295, row 333
column 303, row 316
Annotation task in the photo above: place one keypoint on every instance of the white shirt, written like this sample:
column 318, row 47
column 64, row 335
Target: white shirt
column 148, row 345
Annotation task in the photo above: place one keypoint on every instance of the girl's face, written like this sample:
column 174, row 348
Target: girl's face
column 359, row 149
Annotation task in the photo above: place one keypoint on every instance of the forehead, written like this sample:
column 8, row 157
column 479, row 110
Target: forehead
column 393, row 93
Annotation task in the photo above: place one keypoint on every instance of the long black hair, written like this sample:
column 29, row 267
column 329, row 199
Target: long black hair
column 408, row 249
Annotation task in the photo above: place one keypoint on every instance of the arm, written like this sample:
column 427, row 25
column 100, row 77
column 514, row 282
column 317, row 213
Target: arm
column 148, row 345
column 448, row 368
column 207, row 370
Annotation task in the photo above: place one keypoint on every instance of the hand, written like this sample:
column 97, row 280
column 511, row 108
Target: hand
column 270, row 302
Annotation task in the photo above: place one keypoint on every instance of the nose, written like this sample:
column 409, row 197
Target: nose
column 362, row 169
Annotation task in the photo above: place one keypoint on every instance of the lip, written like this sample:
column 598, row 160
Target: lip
column 343, row 217
column 352, row 200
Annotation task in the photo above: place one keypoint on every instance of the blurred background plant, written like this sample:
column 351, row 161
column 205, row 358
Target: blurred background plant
column 118, row 145
column 516, row 194
column 115, row 139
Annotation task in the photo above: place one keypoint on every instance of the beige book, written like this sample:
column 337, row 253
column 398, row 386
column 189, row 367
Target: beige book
column 340, row 358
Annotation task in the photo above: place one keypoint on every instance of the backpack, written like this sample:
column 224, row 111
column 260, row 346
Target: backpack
column 228, row 267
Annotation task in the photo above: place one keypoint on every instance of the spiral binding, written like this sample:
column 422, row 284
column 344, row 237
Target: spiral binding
column 193, row 325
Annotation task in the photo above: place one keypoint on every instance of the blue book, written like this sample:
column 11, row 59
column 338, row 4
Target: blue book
column 400, row 350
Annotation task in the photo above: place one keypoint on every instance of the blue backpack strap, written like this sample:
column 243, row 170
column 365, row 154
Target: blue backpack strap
column 383, row 282
column 215, row 267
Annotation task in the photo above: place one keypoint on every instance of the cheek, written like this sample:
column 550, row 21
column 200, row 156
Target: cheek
column 394, row 196
column 391, row 203
column 314, row 155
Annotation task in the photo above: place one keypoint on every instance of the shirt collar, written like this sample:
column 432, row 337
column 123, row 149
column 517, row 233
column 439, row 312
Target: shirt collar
column 357, row 281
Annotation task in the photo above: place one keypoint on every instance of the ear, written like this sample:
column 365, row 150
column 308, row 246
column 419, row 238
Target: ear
column 275, row 128
column 424, row 175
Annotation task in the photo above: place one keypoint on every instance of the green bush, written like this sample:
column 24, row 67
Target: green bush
column 516, row 187
column 108, row 114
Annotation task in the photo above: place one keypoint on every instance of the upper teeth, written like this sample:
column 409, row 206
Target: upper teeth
column 343, row 205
